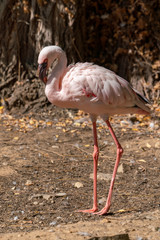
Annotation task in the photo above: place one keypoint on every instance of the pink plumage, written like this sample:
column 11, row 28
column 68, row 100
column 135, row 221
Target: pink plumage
column 93, row 89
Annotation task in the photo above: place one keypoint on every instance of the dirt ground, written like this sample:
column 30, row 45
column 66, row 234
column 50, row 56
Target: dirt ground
column 46, row 175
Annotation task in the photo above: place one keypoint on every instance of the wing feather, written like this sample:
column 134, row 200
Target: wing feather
column 100, row 82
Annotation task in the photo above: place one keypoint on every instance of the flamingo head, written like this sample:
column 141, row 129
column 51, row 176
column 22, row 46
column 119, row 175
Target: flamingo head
column 43, row 63
column 46, row 57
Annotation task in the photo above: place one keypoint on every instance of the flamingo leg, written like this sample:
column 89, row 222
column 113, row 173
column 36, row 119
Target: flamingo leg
column 95, row 162
column 119, row 154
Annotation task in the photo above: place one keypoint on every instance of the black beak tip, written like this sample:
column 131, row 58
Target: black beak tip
column 42, row 71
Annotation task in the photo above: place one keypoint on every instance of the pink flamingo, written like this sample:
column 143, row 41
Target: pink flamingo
column 95, row 90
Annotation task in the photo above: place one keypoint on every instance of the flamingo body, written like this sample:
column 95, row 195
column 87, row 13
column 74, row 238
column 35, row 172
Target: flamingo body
column 93, row 89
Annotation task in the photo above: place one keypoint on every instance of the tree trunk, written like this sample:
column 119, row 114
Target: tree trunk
column 124, row 38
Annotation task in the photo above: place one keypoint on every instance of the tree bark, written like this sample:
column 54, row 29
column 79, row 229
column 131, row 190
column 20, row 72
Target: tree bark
column 123, row 38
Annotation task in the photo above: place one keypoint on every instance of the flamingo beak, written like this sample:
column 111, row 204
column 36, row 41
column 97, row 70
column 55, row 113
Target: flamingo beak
column 42, row 68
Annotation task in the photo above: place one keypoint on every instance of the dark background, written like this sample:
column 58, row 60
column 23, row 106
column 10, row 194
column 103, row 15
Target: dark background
column 123, row 36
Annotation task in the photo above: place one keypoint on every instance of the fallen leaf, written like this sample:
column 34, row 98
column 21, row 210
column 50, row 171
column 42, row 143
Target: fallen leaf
column 141, row 160
column 74, row 130
column 134, row 129
column 123, row 129
column 16, row 193
column 16, row 138
column 121, row 210
column 148, row 145
column 77, row 124
column 155, row 66
column 49, row 123
column 120, row 168
column 31, row 122
column 1, row 109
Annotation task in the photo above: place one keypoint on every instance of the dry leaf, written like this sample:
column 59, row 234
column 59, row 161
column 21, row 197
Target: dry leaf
column 148, row 145
column 31, row 122
column 123, row 129
column 87, row 145
column 49, row 123
column 1, row 109
column 141, row 160
column 135, row 129
column 155, row 66
column 121, row 210
column 77, row 124
column 16, row 138
column 120, row 168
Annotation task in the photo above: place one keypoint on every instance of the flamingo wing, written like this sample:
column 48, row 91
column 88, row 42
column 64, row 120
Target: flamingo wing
column 98, row 84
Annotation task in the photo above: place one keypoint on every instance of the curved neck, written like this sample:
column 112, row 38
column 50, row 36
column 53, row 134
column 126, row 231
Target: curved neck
column 54, row 79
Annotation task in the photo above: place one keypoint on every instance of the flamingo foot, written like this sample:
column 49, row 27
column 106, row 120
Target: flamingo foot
column 93, row 210
column 103, row 211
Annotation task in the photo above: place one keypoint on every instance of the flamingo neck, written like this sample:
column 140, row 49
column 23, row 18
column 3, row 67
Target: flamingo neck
column 54, row 80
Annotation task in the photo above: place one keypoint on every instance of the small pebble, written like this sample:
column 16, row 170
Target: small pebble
column 132, row 161
column 139, row 238
column 46, row 196
column 86, row 234
column 102, row 200
column 151, row 125
column 15, row 218
column 103, row 176
column 29, row 183
column 60, row 194
column 78, row 184
column 53, row 223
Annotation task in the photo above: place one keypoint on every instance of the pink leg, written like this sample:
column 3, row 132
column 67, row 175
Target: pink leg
column 95, row 162
column 119, row 154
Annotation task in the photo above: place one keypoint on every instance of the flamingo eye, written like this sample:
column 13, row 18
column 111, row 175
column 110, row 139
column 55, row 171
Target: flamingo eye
column 45, row 63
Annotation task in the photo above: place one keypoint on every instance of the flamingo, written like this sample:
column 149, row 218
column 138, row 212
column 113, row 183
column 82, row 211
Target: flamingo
column 95, row 90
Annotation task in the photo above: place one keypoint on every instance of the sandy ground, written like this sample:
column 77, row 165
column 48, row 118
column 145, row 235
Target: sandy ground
column 136, row 225
column 46, row 174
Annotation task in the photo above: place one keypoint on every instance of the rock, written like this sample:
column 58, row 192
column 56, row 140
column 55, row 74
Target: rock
column 46, row 196
column 61, row 194
column 116, row 237
column 103, row 176
column 53, row 223
column 102, row 200
column 78, row 184
column 41, row 195
column 15, row 218
column 29, row 183
column 86, row 234
column 157, row 144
